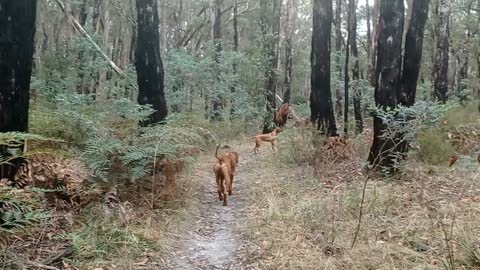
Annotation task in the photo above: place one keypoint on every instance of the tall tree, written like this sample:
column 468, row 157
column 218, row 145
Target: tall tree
column 133, row 41
column 338, row 52
column 369, row 28
column 217, row 99
column 357, row 96
column 235, row 49
column 413, row 51
column 442, row 46
column 389, row 63
column 82, row 15
column 321, row 105
column 372, row 61
column 148, row 62
column 17, row 29
column 288, row 50
column 347, row 65
column 462, row 56
column 272, row 51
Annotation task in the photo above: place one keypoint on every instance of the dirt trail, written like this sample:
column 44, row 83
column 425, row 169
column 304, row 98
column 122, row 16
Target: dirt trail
column 214, row 243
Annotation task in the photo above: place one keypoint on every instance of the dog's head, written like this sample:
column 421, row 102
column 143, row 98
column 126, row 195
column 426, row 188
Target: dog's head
column 278, row 130
column 235, row 156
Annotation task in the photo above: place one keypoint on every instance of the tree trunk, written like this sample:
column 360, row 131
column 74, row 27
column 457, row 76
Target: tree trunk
column 372, row 61
column 369, row 29
column 338, row 51
column 217, row 99
column 82, row 17
column 478, row 51
column 413, row 52
column 148, row 62
column 321, row 105
column 350, row 9
column 235, row 49
column 288, row 50
column 442, row 32
column 17, row 29
column 105, row 32
column 272, row 47
column 384, row 150
column 357, row 96
column 133, row 41
column 164, row 31
column 462, row 59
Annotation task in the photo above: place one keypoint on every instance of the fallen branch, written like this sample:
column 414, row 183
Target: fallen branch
column 56, row 257
column 80, row 29
column 43, row 266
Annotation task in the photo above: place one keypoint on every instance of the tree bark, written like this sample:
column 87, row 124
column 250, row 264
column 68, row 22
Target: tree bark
column 148, row 63
column 462, row 58
column 372, row 61
column 369, row 29
column 17, row 29
column 133, row 41
column 321, row 105
column 350, row 9
column 217, row 100
column 82, row 18
column 235, row 49
column 271, row 72
column 384, row 150
column 338, row 51
column 442, row 46
column 357, row 96
column 413, row 52
column 288, row 50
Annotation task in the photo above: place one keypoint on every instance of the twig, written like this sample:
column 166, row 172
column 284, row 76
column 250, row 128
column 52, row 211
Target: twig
column 43, row 266
column 66, row 252
column 360, row 215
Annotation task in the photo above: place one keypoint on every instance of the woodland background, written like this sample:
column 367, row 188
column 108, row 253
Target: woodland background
column 97, row 181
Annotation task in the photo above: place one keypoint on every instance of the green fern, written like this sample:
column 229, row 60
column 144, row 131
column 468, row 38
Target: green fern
column 13, row 142
column 17, row 213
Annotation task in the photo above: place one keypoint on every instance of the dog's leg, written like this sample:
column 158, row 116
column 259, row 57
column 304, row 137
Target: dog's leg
column 219, row 189
column 273, row 145
column 230, row 188
column 224, row 195
column 257, row 147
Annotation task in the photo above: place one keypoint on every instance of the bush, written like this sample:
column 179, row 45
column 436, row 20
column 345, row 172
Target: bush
column 297, row 100
column 463, row 115
column 294, row 147
column 434, row 149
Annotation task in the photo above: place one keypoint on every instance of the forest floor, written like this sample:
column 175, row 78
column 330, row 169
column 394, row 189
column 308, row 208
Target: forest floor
column 214, row 241
column 285, row 213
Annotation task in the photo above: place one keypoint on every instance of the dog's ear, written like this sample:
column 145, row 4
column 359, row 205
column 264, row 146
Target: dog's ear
column 236, row 156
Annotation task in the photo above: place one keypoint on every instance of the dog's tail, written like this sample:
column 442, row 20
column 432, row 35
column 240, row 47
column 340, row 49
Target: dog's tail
column 216, row 153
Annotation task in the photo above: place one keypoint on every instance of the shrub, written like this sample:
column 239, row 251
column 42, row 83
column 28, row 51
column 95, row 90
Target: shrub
column 463, row 115
column 434, row 149
column 297, row 100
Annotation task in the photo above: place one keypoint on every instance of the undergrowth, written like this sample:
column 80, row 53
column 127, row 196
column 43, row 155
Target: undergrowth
column 307, row 221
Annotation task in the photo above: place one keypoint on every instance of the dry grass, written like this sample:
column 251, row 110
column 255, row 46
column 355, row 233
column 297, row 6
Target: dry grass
column 426, row 218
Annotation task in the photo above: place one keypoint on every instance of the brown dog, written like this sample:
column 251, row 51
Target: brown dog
column 270, row 137
column 281, row 116
column 224, row 170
